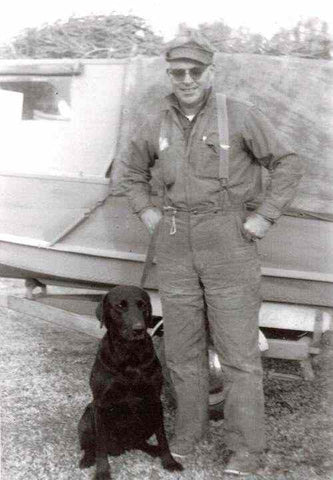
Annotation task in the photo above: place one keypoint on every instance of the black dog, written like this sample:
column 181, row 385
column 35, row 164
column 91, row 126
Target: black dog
column 126, row 382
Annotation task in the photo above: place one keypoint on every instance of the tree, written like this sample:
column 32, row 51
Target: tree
column 228, row 40
column 219, row 35
column 309, row 38
column 93, row 36
column 120, row 36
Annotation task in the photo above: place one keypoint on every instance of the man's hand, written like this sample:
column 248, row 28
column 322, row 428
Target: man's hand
column 256, row 226
column 151, row 217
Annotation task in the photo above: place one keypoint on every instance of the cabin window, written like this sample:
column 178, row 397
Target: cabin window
column 42, row 99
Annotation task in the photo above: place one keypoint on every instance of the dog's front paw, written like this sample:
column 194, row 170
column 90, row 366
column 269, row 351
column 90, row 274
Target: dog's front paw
column 102, row 476
column 88, row 460
column 115, row 450
column 169, row 463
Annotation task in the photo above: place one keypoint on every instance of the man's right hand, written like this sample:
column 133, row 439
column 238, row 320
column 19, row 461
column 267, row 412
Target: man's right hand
column 151, row 217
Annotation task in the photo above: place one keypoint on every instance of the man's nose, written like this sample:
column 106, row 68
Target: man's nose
column 187, row 78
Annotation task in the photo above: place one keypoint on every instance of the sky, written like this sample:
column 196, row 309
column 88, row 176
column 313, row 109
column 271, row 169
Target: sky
column 164, row 16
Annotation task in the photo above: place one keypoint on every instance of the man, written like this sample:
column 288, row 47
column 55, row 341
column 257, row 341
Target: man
column 205, row 246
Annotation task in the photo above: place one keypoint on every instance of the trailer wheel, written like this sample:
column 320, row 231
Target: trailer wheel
column 216, row 393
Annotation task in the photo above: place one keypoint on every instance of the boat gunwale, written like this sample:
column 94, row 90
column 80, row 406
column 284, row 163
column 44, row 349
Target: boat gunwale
column 141, row 257
column 62, row 178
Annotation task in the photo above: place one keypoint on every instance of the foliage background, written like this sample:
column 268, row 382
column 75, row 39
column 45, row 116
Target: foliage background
column 119, row 36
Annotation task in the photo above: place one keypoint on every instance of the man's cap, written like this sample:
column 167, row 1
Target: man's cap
column 190, row 45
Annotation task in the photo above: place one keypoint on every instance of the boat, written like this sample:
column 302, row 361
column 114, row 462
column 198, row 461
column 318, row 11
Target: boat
column 63, row 218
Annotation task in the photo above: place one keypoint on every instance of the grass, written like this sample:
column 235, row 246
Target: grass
column 44, row 384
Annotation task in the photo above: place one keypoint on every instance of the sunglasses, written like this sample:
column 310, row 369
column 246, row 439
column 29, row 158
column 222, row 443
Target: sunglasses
column 179, row 74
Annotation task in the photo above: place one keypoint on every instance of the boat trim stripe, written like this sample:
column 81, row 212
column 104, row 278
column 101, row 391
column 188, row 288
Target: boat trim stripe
column 140, row 257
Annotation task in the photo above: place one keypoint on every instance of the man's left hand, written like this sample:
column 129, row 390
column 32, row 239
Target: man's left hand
column 256, row 225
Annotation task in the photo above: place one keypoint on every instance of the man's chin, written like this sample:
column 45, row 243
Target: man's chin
column 190, row 101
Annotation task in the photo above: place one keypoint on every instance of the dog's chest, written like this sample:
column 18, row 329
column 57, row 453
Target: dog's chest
column 141, row 380
column 139, row 376
column 126, row 377
column 134, row 374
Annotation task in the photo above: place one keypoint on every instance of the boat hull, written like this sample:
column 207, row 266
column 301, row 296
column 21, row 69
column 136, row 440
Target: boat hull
column 119, row 259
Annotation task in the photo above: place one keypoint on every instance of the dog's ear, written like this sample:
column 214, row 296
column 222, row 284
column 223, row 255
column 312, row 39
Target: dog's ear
column 101, row 310
column 148, row 309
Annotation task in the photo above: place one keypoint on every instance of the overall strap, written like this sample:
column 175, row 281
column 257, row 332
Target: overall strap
column 223, row 126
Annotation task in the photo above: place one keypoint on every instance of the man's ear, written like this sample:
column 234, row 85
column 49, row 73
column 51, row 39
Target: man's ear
column 211, row 72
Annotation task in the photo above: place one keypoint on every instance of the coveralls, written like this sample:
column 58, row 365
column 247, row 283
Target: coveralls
column 202, row 252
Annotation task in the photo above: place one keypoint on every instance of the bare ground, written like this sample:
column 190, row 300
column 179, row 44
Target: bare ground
column 44, row 385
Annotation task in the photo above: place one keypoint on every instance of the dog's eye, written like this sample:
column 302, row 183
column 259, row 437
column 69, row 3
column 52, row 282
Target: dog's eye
column 122, row 305
column 141, row 304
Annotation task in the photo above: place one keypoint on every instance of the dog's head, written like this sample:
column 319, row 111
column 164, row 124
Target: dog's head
column 126, row 312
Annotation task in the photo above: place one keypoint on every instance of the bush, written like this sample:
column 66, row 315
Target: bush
column 94, row 36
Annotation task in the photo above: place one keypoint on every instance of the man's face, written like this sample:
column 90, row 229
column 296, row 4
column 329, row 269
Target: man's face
column 190, row 90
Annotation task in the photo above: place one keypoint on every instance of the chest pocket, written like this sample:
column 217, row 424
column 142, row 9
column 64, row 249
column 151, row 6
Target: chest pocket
column 171, row 151
column 207, row 156
column 168, row 164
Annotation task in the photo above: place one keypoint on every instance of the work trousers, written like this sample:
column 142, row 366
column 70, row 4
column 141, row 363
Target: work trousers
column 206, row 256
